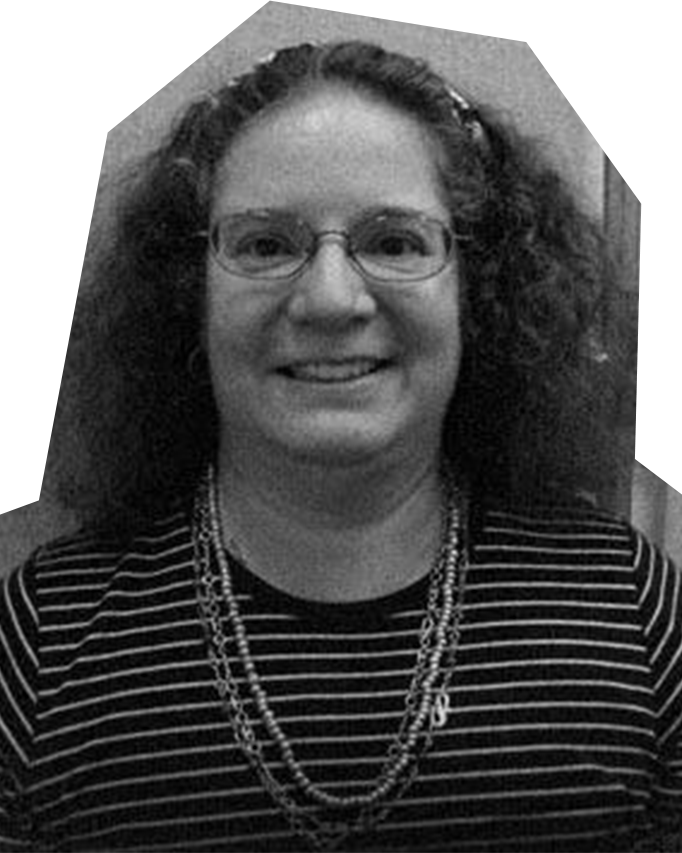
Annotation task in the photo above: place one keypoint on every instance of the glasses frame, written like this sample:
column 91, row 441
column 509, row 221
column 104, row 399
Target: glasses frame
column 450, row 239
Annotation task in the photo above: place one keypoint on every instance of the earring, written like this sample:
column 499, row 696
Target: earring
column 197, row 364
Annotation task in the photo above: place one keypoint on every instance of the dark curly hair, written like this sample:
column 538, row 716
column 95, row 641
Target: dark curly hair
column 541, row 379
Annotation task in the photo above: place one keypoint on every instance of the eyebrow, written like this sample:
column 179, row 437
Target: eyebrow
column 392, row 210
column 365, row 213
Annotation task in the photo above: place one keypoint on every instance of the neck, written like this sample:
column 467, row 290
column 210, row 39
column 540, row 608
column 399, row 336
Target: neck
column 334, row 533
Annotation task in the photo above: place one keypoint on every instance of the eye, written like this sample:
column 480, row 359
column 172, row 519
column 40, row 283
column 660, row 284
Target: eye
column 393, row 243
column 266, row 247
column 260, row 244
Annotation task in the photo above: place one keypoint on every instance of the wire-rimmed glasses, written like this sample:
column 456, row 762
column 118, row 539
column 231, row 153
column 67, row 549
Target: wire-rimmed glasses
column 390, row 246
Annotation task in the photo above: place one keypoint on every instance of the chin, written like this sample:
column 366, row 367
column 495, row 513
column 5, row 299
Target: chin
column 337, row 446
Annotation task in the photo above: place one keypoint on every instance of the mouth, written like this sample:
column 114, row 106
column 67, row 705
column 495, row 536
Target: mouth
column 334, row 371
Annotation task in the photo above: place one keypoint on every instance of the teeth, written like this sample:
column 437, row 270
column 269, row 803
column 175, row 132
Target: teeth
column 328, row 371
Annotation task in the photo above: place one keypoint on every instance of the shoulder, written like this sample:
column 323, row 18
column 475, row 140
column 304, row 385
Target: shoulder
column 75, row 592
column 559, row 544
column 600, row 547
column 92, row 556
column 568, row 527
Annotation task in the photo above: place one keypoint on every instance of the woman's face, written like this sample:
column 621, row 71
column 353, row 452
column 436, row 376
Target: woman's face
column 331, row 366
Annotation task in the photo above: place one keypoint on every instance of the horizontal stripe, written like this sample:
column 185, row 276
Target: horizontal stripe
column 567, row 678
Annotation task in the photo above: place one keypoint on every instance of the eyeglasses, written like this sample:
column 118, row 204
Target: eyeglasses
column 396, row 246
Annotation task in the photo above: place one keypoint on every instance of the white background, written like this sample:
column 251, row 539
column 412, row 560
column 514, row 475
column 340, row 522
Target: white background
column 72, row 70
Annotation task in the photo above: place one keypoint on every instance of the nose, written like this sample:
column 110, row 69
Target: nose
column 331, row 290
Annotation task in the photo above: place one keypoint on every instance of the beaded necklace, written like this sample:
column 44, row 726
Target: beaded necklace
column 426, row 702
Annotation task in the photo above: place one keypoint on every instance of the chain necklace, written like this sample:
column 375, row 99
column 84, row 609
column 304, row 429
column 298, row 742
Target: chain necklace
column 426, row 702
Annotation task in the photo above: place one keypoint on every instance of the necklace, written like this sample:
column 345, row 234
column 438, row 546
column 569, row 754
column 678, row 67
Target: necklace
column 426, row 702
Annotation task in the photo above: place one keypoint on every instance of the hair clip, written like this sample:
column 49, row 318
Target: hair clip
column 266, row 60
column 463, row 105
column 274, row 54
column 185, row 163
column 465, row 113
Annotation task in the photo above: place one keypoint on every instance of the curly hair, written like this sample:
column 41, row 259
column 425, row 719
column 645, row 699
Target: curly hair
column 541, row 377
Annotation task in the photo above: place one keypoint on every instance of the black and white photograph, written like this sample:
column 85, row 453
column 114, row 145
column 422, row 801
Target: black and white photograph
column 342, row 544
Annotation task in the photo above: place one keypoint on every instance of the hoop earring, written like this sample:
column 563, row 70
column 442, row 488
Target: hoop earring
column 197, row 365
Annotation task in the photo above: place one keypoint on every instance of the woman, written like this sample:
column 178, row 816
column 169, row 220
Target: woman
column 341, row 588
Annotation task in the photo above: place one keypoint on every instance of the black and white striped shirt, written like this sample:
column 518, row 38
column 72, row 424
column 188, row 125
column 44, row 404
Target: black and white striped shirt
column 565, row 711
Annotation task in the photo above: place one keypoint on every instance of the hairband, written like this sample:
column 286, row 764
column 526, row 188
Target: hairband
column 463, row 111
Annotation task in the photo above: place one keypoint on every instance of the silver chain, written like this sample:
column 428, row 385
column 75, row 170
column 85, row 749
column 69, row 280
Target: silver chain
column 426, row 701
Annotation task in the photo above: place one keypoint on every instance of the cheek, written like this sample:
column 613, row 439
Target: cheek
column 439, row 319
column 442, row 340
column 221, row 320
column 231, row 350
column 234, row 320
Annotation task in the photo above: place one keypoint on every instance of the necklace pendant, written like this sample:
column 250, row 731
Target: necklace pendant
column 440, row 710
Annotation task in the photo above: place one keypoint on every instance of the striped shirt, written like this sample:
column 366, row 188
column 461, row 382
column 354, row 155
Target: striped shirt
column 562, row 734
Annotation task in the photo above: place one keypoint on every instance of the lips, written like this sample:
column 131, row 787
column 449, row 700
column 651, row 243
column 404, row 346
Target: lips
column 335, row 370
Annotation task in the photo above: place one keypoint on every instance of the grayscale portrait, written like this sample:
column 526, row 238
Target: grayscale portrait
column 336, row 548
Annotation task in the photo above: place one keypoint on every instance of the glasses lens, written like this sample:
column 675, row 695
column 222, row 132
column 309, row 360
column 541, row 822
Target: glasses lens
column 389, row 247
column 401, row 246
column 261, row 245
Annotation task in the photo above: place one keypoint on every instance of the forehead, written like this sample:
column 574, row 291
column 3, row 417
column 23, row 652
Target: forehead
column 329, row 153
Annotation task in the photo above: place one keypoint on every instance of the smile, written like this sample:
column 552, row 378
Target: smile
column 334, row 371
